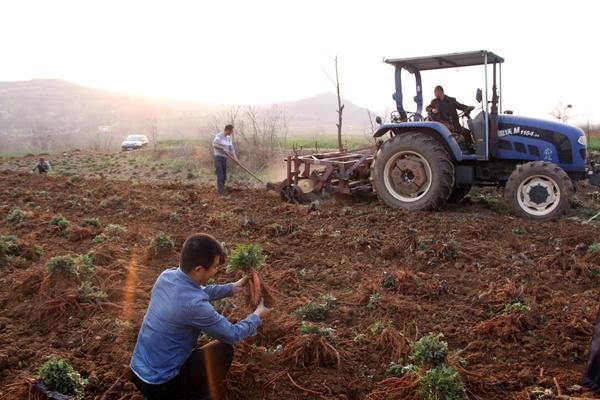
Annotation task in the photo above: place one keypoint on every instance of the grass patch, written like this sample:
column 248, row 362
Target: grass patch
column 594, row 144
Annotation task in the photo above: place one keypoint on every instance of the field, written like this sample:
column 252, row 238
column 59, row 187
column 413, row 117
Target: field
column 594, row 144
column 514, row 299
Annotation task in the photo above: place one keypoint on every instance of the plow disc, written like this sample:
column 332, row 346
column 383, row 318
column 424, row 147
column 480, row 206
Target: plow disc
column 304, row 192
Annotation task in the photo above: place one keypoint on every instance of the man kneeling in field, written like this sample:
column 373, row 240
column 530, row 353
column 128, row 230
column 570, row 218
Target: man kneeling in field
column 166, row 363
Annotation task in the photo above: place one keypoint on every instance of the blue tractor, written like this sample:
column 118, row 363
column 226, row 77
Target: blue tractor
column 423, row 164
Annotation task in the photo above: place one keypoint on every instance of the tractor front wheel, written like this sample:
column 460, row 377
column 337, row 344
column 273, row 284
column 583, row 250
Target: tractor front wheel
column 412, row 171
column 538, row 190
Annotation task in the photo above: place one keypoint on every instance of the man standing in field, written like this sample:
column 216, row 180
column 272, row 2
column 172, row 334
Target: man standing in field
column 43, row 166
column 223, row 149
column 166, row 365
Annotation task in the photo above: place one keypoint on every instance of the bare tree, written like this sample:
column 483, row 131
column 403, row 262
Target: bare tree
column 229, row 115
column 588, row 127
column 370, row 119
column 340, row 108
column 152, row 127
column 561, row 112
column 265, row 128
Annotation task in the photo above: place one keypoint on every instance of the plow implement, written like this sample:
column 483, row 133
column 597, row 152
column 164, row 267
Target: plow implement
column 310, row 176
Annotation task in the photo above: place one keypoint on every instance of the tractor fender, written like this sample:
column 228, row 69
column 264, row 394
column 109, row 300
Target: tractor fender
column 435, row 129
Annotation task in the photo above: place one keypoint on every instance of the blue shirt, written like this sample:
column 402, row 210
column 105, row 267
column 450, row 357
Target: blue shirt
column 179, row 310
column 225, row 141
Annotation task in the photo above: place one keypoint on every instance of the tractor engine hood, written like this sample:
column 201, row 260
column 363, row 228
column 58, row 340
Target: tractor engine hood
column 509, row 124
column 551, row 131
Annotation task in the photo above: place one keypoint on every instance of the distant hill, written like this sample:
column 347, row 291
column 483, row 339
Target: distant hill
column 43, row 112
column 319, row 112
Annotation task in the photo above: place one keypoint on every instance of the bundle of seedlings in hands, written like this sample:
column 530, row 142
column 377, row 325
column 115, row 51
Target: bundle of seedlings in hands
column 248, row 258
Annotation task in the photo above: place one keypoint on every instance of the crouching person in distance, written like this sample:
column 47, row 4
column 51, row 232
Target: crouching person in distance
column 166, row 363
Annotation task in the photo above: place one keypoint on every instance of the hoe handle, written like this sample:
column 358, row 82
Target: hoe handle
column 245, row 169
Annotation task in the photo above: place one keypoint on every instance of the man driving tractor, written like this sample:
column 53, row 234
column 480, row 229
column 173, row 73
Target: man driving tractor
column 444, row 109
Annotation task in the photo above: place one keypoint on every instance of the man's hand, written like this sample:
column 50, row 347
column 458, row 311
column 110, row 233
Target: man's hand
column 238, row 286
column 261, row 310
column 434, row 110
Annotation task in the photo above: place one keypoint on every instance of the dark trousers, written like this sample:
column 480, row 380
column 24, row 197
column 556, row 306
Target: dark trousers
column 221, row 170
column 591, row 378
column 200, row 377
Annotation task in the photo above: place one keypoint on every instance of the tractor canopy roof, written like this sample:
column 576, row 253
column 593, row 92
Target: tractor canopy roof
column 452, row 60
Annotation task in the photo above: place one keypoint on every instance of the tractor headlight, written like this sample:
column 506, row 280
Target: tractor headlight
column 582, row 140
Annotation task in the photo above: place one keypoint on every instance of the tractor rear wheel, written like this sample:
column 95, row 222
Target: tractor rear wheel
column 412, row 171
column 539, row 190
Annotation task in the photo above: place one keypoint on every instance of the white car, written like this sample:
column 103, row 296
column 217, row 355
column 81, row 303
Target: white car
column 133, row 142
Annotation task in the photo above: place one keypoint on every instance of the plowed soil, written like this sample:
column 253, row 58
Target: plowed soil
column 456, row 269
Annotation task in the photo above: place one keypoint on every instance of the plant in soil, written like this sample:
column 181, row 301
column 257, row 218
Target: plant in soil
column 9, row 246
column 315, row 346
column 399, row 369
column 162, row 243
column 519, row 231
column 594, row 248
column 16, row 215
column 430, row 350
column 308, row 328
column 99, row 239
column 392, row 343
column 329, row 300
column 449, row 250
column 60, row 222
column 114, row 230
column 428, row 377
column 57, row 374
column 313, row 311
column 374, row 300
column 388, row 281
column 90, row 294
column 248, row 258
column 63, row 265
column 441, row 383
column 378, row 327
column 360, row 339
column 516, row 306
column 93, row 222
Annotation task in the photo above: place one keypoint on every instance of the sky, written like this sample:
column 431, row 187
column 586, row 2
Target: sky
column 260, row 52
